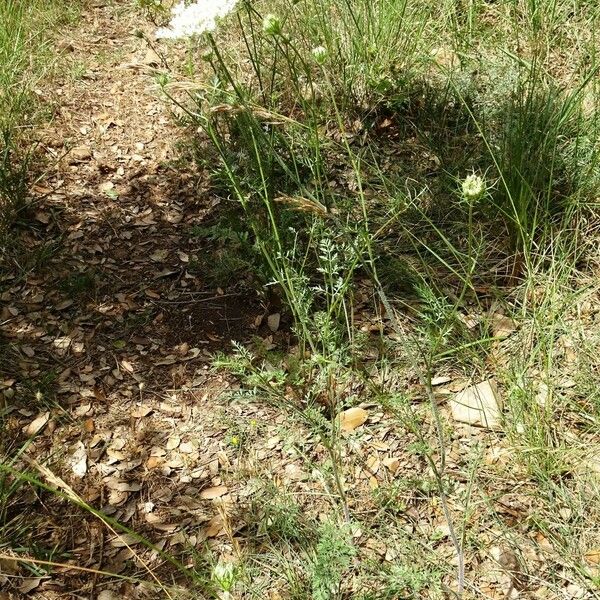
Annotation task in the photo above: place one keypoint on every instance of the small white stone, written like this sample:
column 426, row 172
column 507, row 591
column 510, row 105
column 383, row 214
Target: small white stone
column 478, row 405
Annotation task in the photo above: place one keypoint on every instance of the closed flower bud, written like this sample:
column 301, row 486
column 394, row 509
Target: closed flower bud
column 224, row 575
column 271, row 25
column 319, row 54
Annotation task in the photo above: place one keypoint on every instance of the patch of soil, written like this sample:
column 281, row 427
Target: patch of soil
column 213, row 320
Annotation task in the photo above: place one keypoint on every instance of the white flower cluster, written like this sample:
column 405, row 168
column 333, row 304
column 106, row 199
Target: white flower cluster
column 473, row 187
column 195, row 18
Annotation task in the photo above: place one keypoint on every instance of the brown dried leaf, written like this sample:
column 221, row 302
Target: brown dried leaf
column 214, row 527
column 173, row 442
column 79, row 460
column 352, row 418
column 37, row 424
column 213, row 492
column 392, row 464
column 64, row 304
column 28, row 351
column 141, row 411
column 29, row 584
column 593, row 556
column 153, row 462
column 42, row 217
column 502, row 326
column 127, row 366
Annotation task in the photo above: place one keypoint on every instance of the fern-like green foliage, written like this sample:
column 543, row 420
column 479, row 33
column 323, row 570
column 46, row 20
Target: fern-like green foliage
column 333, row 557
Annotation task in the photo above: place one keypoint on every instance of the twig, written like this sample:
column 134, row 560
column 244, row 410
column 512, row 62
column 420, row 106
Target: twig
column 198, row 301
column 50, row 563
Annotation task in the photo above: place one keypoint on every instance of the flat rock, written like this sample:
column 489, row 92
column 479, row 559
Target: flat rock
column 478, row 405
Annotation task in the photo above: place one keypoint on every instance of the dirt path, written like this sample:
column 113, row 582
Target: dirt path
column 110, row 324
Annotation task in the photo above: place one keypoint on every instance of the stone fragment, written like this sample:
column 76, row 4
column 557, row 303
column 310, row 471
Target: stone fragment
column 478, row 405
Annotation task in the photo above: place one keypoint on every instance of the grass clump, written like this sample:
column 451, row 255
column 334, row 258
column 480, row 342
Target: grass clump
column 542, row 154
column 25, row 58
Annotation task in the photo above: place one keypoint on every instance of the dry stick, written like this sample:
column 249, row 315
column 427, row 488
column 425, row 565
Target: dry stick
column 155, row 49
column 334, row 453
column 438, row 472
column 338, row 481
column 100, row 561
column 66, row 566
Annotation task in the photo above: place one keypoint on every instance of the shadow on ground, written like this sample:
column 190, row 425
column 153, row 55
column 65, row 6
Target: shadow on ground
column 109, row 321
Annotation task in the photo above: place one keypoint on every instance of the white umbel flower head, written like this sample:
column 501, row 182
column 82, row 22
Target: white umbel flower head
column 473, row 187
column 319, row 54
column 271, row 25
column 195, row 18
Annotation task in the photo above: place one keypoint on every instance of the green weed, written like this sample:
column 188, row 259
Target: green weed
column 333, row 555
column 25, row 58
